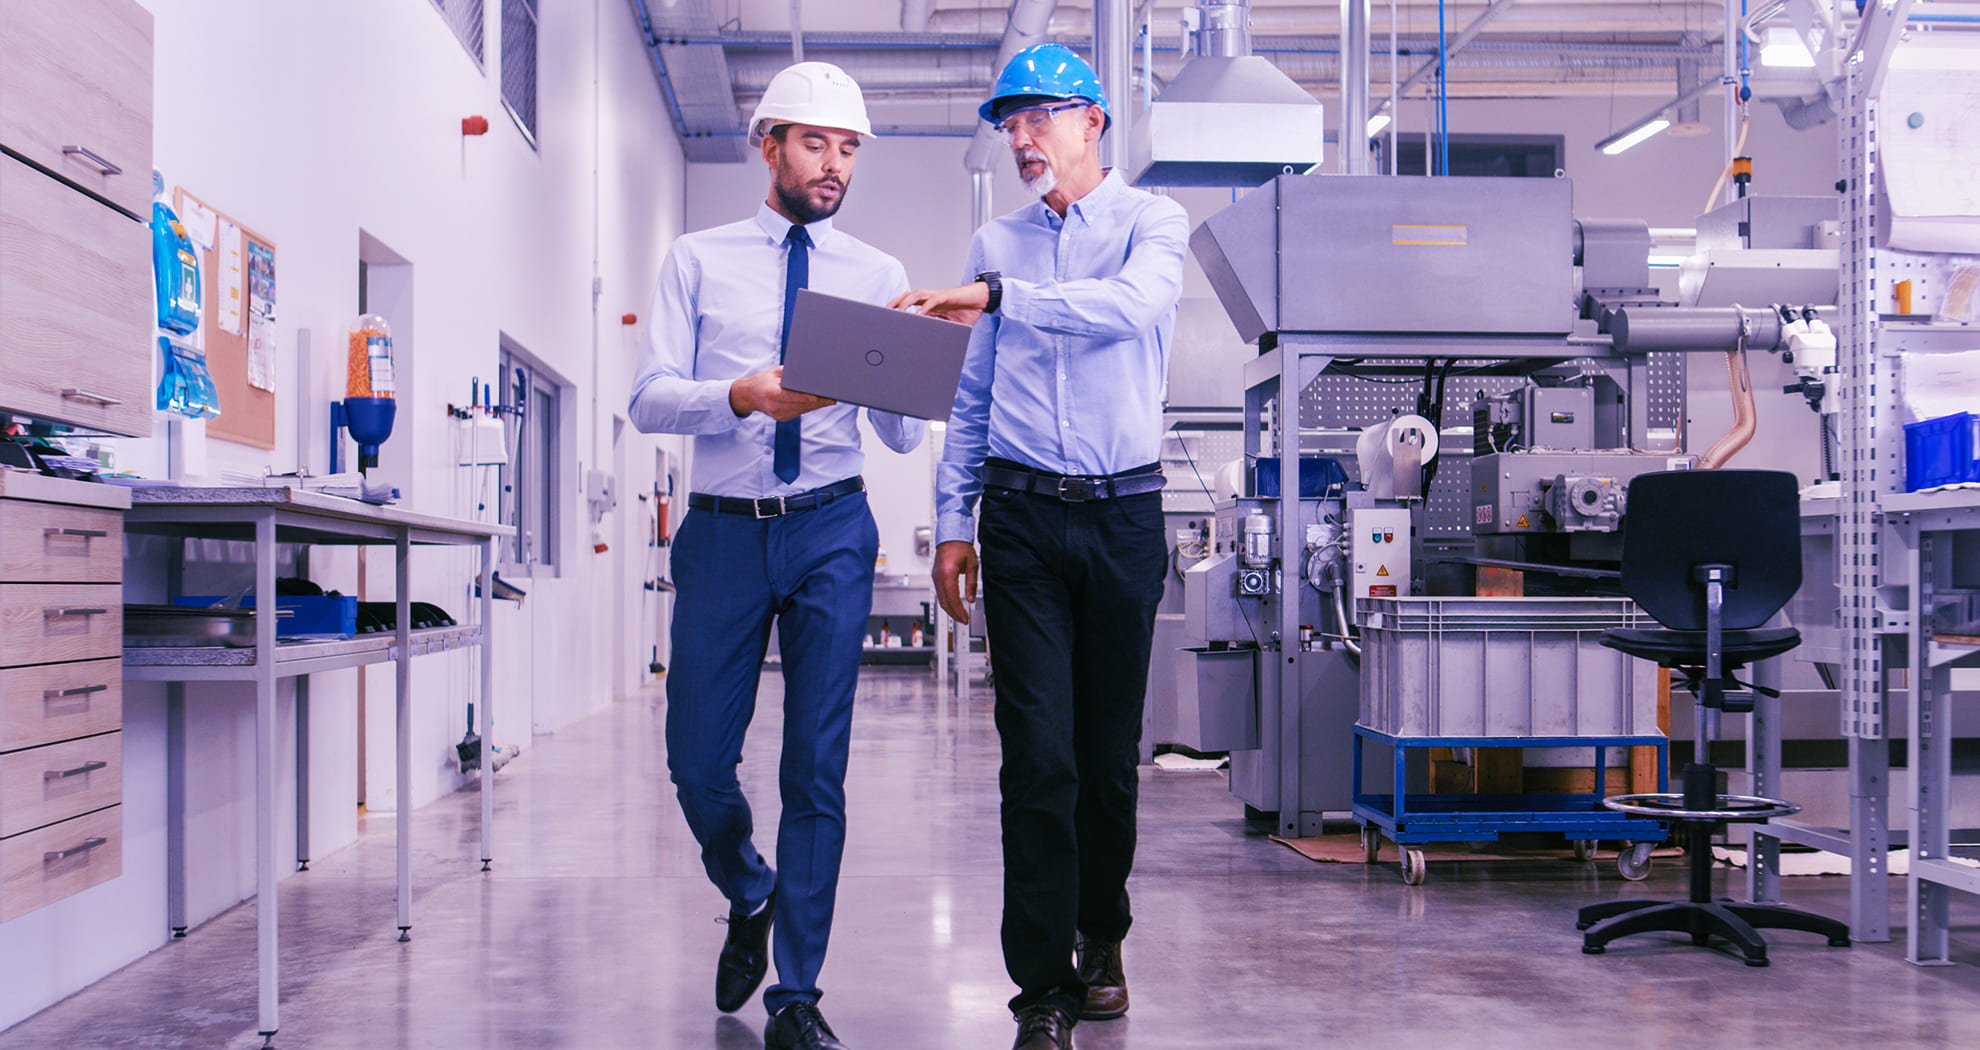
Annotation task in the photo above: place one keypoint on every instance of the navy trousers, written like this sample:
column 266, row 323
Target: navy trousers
column 811, row 572
column 1069, row 597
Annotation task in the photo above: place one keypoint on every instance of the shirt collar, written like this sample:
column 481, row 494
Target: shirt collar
column 776, row 227
column 1091, row 208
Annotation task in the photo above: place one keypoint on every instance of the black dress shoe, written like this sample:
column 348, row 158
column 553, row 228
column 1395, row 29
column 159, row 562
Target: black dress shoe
column 800, row 1026
column 1043, row 1028
column 1106, row 985
column 745, row 956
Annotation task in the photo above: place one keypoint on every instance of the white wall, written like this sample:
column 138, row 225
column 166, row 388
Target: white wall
column 322, row 121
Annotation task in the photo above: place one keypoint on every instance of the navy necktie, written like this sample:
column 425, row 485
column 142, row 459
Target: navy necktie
column 797, row 274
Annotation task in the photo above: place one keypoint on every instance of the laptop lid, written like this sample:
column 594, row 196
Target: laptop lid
column 868, row 355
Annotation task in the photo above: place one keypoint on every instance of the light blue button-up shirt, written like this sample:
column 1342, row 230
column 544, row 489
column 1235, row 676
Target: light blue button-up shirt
column 718, row 316
column 1070, row 373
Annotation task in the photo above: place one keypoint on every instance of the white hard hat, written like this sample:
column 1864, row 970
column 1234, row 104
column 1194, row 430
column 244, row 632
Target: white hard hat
column 816, row 93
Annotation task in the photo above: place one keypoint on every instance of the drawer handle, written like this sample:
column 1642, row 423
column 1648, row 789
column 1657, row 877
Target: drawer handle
column 90, row 155
column 55, row 614
column 63, row 694
column 88, row 534
column 83, row 770
column 52, row 856
column 75, row 394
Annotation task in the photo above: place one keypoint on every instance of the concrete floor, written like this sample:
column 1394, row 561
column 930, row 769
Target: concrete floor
column 596, row 929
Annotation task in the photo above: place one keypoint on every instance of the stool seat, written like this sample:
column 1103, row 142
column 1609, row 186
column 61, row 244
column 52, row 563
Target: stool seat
column 1687, row 648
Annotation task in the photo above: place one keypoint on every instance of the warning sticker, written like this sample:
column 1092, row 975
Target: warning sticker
column 1482, row 514
column 1383, row 571
column 1382, row 590
column 1521, row 523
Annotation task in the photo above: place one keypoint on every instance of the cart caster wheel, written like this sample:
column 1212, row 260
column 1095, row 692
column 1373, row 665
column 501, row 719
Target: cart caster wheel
column 1839, row 942
column 1593, row 949
column 1582, row 924
column 1633, row 863
column 1584, row 850
column 1414, row 867
column 1478, row 845
column 1371, row 844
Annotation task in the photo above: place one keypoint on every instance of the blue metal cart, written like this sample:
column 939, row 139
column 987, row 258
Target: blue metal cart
column 1408, row 819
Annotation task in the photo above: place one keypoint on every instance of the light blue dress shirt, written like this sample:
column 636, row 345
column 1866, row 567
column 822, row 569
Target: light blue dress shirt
column 718, row 316
column 1069, row 375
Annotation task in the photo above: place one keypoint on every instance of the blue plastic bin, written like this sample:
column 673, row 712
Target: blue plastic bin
column 311, row 614
column 1317, row 474
column 1941, row 451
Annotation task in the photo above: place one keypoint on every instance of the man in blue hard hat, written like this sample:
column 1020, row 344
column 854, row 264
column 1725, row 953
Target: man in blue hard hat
column 1056, row 432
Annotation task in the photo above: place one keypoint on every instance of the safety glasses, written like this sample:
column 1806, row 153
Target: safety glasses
column 1033, row 120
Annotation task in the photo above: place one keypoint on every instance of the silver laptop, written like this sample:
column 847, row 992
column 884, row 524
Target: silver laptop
column 869, row 355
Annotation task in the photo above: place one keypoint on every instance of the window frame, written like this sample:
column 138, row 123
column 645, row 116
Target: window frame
column 531, row 494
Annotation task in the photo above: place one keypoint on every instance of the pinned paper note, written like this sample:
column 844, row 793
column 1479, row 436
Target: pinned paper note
column 228, row 261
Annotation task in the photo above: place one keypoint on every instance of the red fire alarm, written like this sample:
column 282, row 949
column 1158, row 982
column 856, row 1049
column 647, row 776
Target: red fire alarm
column 474, row 125
column 629, row 319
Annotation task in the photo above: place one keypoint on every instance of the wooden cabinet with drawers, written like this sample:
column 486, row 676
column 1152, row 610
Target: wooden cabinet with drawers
column 75, row 193
column 61, row 688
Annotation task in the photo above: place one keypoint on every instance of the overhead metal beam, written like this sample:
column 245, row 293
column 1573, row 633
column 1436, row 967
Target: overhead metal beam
column 1463, row 40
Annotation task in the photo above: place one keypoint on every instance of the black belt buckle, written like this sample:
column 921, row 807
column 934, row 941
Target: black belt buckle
column 767, row 507
column 1082, row 490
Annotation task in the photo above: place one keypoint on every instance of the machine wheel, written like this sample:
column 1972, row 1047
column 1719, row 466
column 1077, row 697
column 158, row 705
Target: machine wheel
column 1414, row 867
column 1371, row 843
column 1633, row 863
column 1584, row 849
column 1478, row 845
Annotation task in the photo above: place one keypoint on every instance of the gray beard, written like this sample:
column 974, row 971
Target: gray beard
column 1044, row 184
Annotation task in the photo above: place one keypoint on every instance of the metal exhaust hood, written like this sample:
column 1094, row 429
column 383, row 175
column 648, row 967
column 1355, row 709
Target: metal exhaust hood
column 1226, row 121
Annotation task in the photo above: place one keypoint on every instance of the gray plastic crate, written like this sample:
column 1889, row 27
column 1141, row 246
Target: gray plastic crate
column 1502, row 667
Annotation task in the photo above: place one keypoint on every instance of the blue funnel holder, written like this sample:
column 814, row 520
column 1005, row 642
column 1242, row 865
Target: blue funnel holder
column 369, row 420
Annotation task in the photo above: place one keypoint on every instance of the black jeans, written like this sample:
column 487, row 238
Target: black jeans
column 1069, row 594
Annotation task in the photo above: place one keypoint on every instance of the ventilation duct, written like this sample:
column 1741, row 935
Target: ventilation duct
column 1229, row 118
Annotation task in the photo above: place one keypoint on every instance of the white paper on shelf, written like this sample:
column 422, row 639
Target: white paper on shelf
column 1934, row 385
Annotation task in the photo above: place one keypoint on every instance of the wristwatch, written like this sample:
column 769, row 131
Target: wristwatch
column 996, row 282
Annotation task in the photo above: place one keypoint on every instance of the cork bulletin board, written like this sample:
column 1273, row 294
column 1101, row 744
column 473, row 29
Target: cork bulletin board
column 247, row 412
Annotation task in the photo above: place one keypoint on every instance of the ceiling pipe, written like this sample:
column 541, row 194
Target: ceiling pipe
column 1464, row 39
column 1324, row 20
column 797, row 30
column 1113, row 55
column 1028, row 24
column 1353, row 137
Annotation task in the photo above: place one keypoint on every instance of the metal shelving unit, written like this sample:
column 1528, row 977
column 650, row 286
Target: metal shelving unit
column 266, row 518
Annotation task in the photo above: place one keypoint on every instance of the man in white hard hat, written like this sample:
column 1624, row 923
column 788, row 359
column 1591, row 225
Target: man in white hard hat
column 777, row 529
column 1054, row 441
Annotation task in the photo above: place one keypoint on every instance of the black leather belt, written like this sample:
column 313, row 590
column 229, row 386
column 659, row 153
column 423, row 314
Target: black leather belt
column 776, row 506
column 1075, row 488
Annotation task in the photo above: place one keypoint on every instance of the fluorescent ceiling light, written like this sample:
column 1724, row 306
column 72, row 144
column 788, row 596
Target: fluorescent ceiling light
column 1376, row 123
column 1783, row 49
column 1615, row 144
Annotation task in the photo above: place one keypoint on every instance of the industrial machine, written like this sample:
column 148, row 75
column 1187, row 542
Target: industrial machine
column 1367, row 298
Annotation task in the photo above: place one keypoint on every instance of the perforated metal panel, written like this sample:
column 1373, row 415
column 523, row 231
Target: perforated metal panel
column 1665, row 372
column 1858, row 556
column 1191, row 461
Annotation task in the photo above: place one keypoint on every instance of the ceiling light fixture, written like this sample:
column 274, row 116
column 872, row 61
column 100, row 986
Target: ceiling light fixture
column 1623, row 140
column 1376, row 123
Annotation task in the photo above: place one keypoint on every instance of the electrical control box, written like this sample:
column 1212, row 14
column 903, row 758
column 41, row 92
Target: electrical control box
column 1378, row 550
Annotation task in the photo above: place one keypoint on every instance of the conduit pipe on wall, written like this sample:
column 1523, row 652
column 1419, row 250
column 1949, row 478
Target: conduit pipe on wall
column 1744, row 413
column 914, row 15
column 1028, row 24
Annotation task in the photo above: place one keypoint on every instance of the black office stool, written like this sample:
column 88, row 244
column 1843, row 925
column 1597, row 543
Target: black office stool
column 1712, row 555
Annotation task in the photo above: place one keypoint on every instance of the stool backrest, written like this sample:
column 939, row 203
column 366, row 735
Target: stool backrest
column 1678, row 519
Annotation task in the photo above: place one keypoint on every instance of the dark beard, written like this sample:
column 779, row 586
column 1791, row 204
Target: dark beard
column 797, row 204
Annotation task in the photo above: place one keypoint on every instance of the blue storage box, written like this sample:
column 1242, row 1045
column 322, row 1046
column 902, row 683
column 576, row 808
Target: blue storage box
column 310, row 614
column 1942, row 451
column 1317, row 474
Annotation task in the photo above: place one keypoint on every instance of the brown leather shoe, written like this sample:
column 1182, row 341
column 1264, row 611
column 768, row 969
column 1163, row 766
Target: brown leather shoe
column 1043, row 1028
column 1106, row 985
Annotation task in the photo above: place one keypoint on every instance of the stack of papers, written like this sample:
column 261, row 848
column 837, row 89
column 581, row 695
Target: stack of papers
column 349, row 484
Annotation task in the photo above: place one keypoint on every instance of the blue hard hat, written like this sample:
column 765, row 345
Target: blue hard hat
column 1048, row 71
